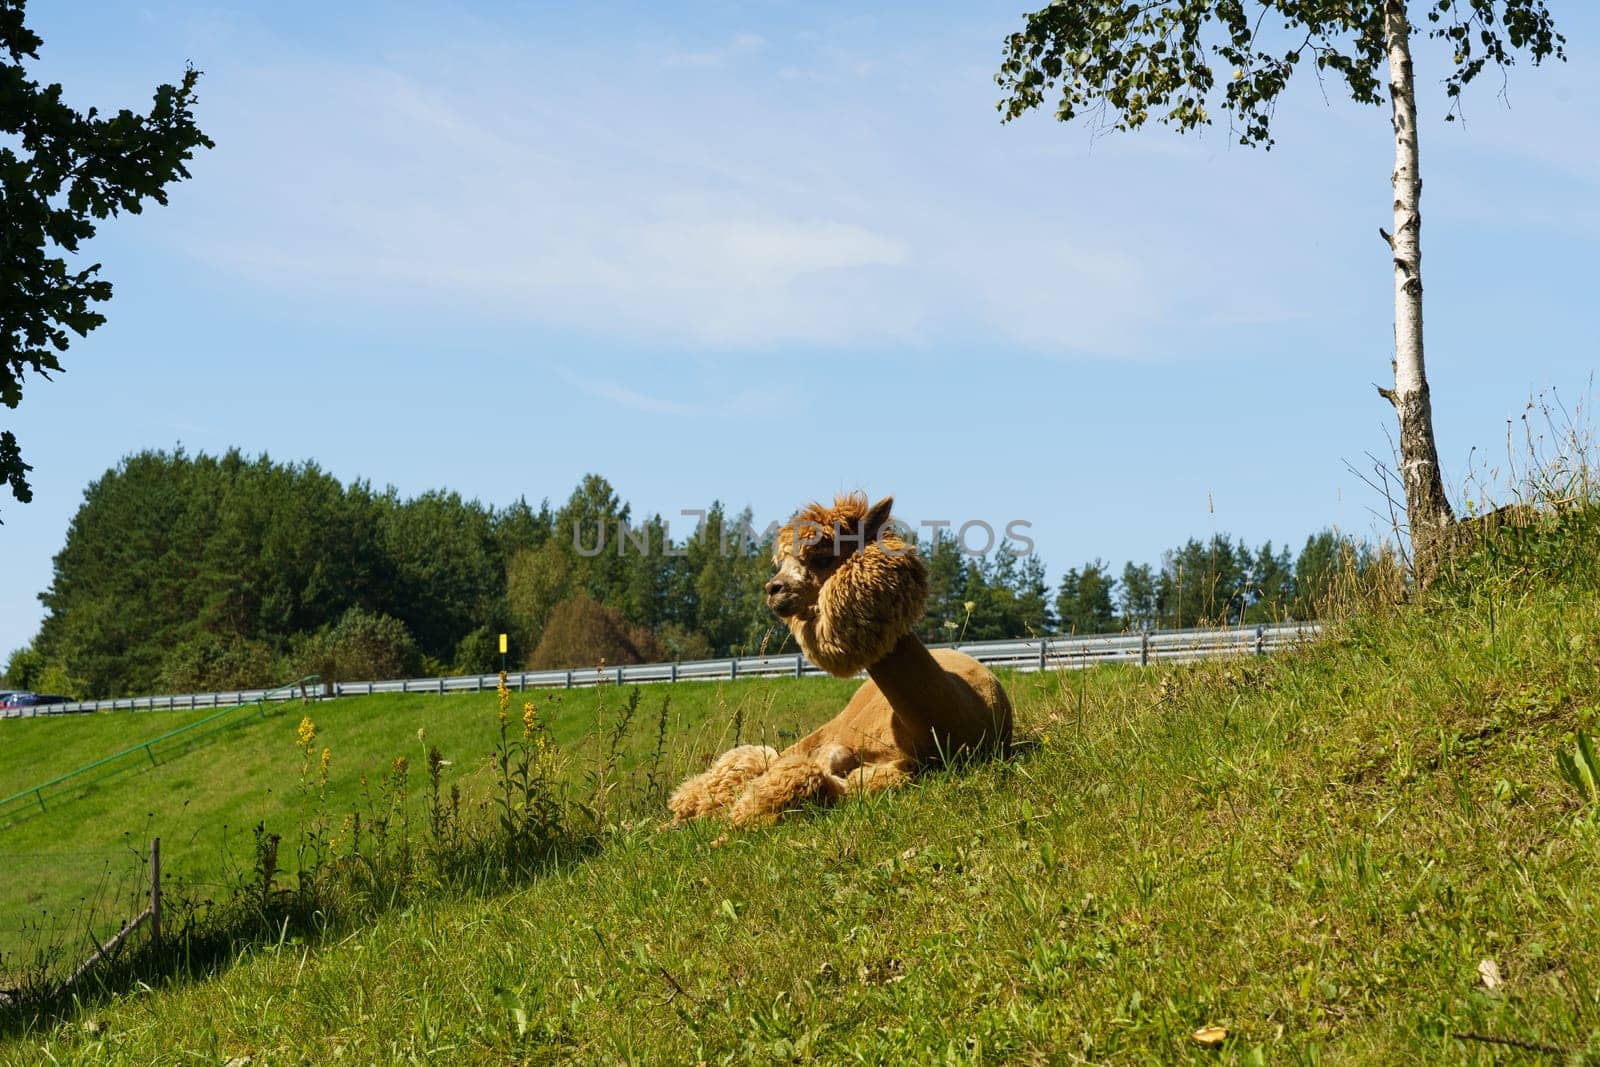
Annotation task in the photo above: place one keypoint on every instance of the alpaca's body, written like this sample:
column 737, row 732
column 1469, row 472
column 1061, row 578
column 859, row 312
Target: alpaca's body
column 972, row 711
column 917, row 709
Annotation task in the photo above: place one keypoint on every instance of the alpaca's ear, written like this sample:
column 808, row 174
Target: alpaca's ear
column 876, row 516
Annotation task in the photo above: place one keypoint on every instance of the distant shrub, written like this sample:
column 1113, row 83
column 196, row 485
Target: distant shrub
column 684, row 644
column 362, row 645
column 208, row 662
column 581, row 633
column 477, row 653
column 24, row 668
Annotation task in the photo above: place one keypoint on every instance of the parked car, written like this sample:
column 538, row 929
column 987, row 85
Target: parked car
column 25, row 699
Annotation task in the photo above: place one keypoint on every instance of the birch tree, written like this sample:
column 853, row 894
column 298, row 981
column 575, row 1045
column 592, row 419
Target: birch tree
column 1124, row 62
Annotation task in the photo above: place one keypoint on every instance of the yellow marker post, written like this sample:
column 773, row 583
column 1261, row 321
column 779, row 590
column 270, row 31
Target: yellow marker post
column 502, row 653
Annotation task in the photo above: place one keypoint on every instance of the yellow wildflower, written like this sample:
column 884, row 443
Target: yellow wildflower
column 528, row 720
column 307, row 735
column 505, row 698
column 327, row 754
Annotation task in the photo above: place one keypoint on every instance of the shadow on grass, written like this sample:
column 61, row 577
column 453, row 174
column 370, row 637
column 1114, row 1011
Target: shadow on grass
column 202, row 938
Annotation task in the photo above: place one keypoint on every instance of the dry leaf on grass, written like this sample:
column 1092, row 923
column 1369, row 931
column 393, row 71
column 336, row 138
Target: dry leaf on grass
column 1210, row 1036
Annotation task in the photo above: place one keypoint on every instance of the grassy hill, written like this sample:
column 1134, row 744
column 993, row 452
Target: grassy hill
column 75, row 864
column 1323, row 853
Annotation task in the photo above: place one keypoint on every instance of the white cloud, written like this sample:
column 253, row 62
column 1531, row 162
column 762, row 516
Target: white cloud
column 740, row 44
column 751, row 212
column 630, row 398
column 738, row 404
column 366, row 181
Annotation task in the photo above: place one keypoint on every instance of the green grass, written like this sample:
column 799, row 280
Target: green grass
column 77, row 861
column 1315, row 852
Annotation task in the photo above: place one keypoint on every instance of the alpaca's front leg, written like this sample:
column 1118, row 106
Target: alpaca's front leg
column 792, row 781
column 719, row 785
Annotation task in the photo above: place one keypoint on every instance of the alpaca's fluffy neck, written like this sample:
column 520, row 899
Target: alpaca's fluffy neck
column 917, row 688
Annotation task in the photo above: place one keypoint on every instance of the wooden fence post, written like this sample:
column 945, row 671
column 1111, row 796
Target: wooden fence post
column 1144, row 648
column 155, row 890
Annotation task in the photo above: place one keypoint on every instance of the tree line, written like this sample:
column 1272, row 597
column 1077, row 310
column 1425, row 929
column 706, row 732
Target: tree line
column 194, row 572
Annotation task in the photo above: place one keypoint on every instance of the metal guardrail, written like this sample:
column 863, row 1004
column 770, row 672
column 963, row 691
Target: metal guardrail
column 1033, row 654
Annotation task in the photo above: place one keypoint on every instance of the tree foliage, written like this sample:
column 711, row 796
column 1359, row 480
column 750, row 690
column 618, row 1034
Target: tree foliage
column 195, row 572
column 61, row 172
column 1130, row 62
column 1083, row 600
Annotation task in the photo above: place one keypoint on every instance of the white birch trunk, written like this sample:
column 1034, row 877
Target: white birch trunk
column 1428, row 510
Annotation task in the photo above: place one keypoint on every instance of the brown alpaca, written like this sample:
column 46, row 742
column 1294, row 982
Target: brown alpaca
column 850, row 590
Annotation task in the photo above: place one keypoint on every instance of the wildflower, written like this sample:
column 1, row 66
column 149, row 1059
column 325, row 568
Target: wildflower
column 970, row 606
column 505, row 697
column 307, row 735
column 422, row 736
column 528, row 720
column 327, row 754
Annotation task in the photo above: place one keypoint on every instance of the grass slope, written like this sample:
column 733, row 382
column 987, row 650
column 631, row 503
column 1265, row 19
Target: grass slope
column 1316, row 852
column 76, row 863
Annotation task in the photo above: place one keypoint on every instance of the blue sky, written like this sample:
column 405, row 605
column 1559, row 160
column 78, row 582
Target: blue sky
column 763, row 252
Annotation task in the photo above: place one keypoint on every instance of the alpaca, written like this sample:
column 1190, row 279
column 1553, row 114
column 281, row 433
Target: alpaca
column 850, row 589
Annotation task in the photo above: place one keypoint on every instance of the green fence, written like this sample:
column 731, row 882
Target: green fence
column 36, row 794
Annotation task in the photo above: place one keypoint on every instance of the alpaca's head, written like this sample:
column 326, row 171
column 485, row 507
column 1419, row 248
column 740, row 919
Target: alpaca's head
column 848, row 585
